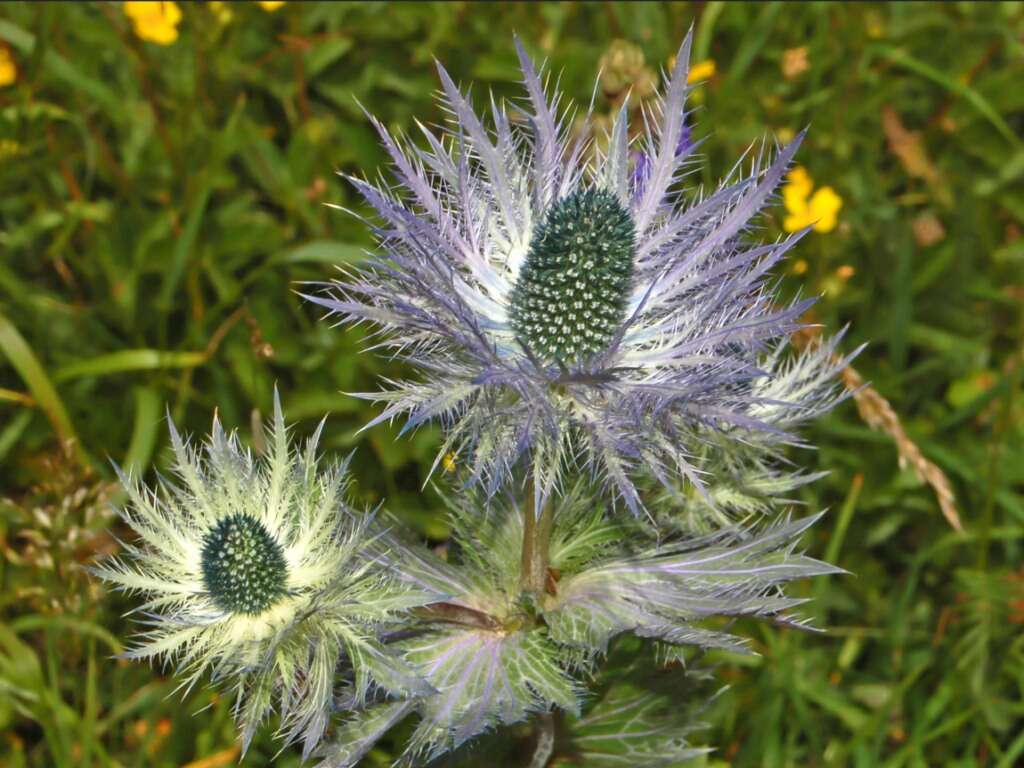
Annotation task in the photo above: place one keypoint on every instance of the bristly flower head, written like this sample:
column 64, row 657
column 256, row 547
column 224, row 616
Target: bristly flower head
column 256, row 571
column 567, row 310
column 570, row 295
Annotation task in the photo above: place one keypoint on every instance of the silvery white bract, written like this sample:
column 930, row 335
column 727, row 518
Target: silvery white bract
column 255, row 571
column 580, row 312
column 492, row 660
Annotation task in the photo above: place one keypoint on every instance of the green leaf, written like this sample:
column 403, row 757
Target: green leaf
column 973, row 97
column 322, row 252
column 629, row 727
column 357, row 735
column 21, row 356
column 184, row 245
column 61, row 68
column 148, row 420
column 127, row 360
column 483, row 678
column 68, row 623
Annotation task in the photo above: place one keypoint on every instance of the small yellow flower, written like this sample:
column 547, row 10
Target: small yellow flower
column 799, row 267
column 221, row 11
column 702, row 70
column 825, row 205
column 270, row 5
column 9, row 148
column 798, row 185
column 154, row 20
column 819, row 210
column 448, row 462
column 8, row 69
column 845, row 272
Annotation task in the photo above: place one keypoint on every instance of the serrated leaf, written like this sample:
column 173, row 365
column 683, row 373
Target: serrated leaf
column 357, row 736
column 483, row 679
column 659, row 593
column 634, row 728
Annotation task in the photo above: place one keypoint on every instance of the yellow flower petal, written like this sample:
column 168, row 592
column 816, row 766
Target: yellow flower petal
column 825, row 224
column 795, row 200
column 154, row 20
column 8, row 69
column 449, row 462
column 153, row 11
column 824, row 207
column 161, row 34
column 797, row 221
column 702, row 70
column 798, row 182
column 270, row 5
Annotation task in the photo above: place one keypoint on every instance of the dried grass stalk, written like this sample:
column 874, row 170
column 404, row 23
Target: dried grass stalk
column 879, row 414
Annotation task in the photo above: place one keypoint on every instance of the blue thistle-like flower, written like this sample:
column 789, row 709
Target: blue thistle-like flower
column 580, row 311
column 257, row 572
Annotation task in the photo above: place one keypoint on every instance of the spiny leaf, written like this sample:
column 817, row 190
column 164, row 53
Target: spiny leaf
column 483, row 679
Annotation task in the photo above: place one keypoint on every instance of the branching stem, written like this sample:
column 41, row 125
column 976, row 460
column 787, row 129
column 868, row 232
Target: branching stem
column 451, row 613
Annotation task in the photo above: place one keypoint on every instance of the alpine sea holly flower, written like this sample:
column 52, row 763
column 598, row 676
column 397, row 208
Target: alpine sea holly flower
column 493, row 659
column 256, row 571
column 569, row 310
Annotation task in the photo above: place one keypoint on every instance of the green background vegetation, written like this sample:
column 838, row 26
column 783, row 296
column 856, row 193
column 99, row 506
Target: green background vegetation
column 159, row 204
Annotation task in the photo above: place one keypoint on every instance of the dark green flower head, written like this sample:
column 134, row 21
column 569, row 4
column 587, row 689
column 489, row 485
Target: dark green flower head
column 570, row 296
column 243, row 566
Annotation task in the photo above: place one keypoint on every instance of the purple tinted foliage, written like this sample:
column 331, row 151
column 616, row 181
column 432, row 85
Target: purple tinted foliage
column 642, row 162
column 641, row 170
column 685, row 142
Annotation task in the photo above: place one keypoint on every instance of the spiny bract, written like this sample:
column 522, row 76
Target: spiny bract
column 570, row 309
column 257, row 572
column 492, row 661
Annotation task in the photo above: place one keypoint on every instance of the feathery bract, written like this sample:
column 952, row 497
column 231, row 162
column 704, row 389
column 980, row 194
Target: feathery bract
column 256, row 571
column 567, row 311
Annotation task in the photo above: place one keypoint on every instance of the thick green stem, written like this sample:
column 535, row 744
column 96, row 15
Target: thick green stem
column 536, row 543
column 545, row 741
column 529, row 534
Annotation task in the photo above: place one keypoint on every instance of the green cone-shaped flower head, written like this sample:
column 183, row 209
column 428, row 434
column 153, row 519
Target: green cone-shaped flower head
column 243, row 566
column 570, row 296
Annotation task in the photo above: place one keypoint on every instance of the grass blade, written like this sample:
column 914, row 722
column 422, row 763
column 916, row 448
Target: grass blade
column 25, row 362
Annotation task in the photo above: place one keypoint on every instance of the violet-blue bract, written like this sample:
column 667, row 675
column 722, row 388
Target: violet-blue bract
column 566, row 312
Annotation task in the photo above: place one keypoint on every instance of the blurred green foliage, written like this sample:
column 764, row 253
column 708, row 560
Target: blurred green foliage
column 160, row 204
